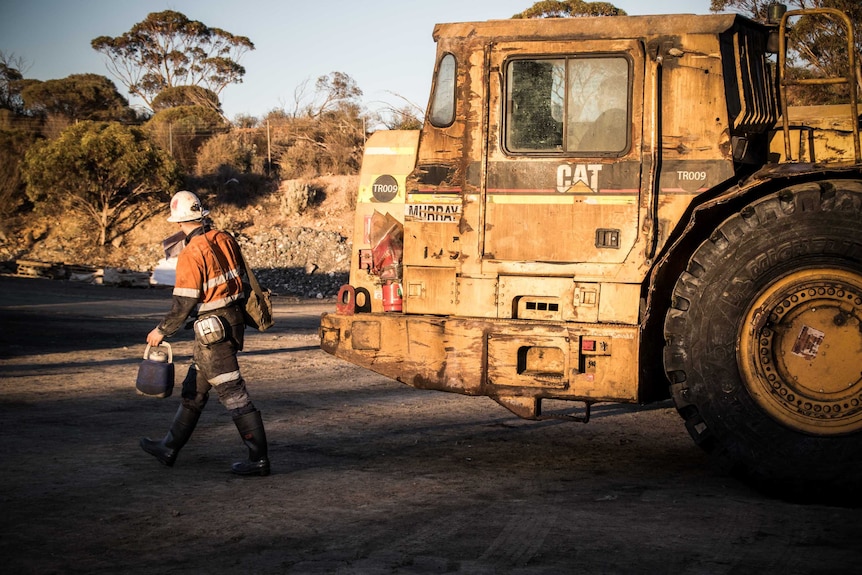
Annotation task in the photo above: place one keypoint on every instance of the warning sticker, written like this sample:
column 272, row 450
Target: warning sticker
column 808, row 342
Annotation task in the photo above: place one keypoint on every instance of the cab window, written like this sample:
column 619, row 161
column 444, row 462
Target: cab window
column 576, row 105
column 443, row 101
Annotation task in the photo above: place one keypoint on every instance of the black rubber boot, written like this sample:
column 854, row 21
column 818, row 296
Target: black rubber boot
column 250, row 426
column 181, row 429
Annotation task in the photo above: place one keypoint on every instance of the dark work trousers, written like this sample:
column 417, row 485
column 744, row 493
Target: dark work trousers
column 217, row 367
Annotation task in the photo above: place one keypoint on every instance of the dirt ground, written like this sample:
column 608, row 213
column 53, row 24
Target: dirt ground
column 369, row 476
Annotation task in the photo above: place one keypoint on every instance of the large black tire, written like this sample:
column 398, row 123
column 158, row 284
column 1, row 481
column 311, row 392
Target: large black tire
column 763, row 343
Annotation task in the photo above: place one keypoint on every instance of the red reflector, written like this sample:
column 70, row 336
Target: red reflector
column 588, row 345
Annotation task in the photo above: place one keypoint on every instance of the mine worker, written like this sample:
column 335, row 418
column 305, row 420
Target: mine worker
column 209, row 282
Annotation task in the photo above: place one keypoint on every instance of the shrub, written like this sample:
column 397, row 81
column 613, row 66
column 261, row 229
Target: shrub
column 297, row 196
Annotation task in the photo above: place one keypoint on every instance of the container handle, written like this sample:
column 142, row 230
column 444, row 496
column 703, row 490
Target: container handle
column 164, row 343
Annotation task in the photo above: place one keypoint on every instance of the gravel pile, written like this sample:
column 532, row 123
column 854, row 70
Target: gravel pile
column 301, row 262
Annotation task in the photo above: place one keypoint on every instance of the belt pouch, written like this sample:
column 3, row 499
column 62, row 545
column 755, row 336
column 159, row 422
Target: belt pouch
column 210, row 330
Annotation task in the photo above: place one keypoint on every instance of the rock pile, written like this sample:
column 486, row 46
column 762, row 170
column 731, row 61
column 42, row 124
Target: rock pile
column 299, row 261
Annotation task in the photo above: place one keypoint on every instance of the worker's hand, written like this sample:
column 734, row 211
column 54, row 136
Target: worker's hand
column 155, row 337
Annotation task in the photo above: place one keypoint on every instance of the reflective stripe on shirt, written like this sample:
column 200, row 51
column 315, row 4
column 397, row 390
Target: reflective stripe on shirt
column 215, row 304
column 222, row 279
column 187, row 292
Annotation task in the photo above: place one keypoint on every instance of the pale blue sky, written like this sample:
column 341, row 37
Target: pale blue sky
column 384, row 45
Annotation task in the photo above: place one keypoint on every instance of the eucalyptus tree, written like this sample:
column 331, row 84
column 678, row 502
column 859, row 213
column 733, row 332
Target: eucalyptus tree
column 168, row 50
column 104, row 172
column 817, row 45
column 569, row 9
column 77, row 97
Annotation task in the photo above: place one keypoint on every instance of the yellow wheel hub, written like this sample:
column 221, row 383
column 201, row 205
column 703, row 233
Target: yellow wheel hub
column 800, row 351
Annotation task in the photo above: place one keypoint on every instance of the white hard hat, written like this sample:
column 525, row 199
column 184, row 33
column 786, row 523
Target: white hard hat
column 186, row 207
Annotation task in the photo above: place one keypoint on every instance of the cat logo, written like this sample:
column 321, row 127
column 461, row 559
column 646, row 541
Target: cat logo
column 578, row 178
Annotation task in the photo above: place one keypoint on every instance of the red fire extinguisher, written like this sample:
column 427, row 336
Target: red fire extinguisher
column 392, row 296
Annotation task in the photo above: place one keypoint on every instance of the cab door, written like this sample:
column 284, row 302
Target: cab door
column 563, row 167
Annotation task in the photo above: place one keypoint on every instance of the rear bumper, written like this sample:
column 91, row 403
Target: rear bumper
column 495, row 358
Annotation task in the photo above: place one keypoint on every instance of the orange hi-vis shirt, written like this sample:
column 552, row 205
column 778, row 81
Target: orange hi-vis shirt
column 203, row 279
column 214, row 282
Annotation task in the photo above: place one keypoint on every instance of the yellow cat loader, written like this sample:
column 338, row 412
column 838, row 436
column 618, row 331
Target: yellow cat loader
column 625, row 210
